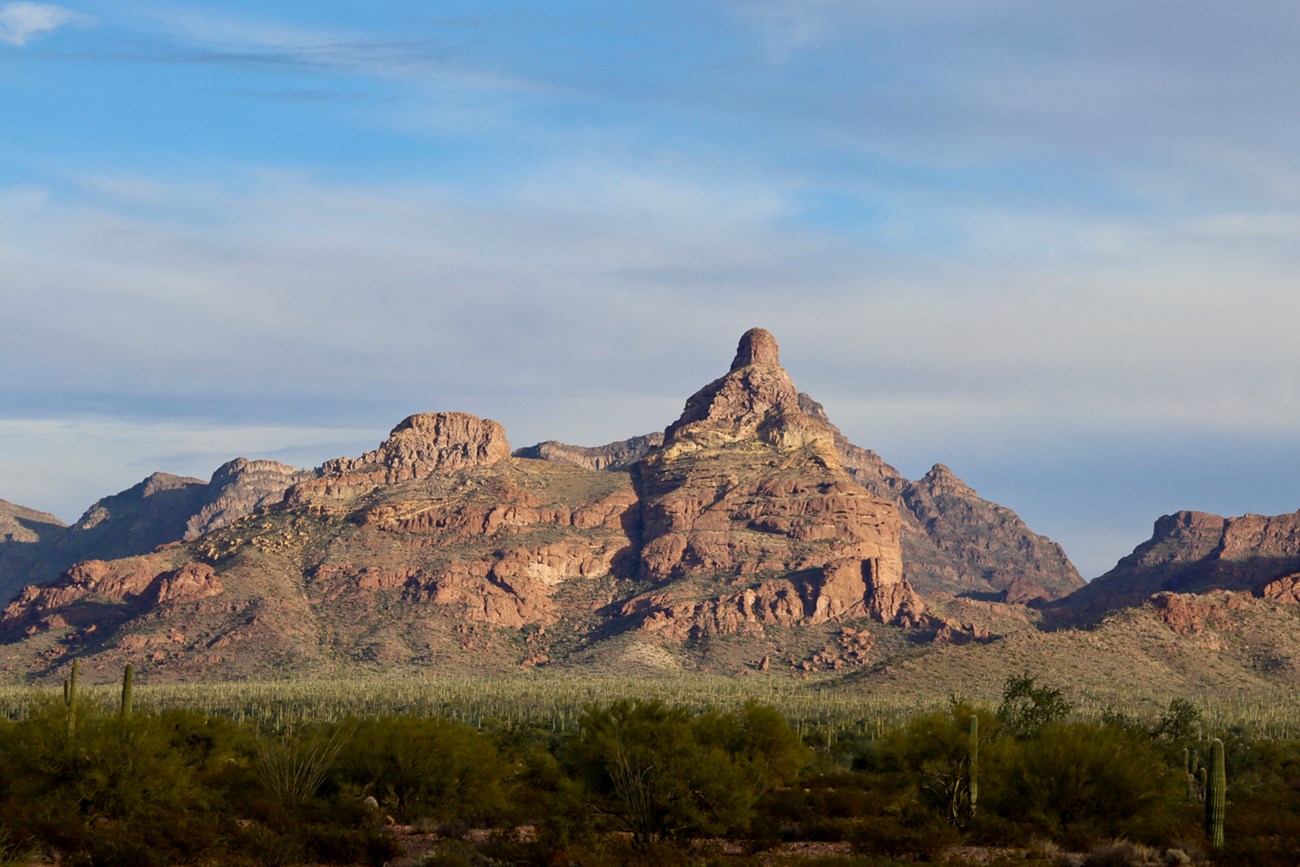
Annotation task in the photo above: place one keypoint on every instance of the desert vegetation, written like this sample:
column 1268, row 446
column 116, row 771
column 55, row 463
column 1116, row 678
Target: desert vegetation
column 100, row 777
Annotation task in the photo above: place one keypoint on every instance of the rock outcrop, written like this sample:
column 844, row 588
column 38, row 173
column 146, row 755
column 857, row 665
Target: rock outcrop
column 131, row 584
column 750, row 517
column 953, row 540
column 238, row 489
column 747, row 502
column 1196, row 552
column 612, row 456
column 1285, row 589
column 420, row 446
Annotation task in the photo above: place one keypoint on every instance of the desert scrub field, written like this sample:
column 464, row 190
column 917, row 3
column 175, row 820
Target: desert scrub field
column 821, row 708
column 106, row 777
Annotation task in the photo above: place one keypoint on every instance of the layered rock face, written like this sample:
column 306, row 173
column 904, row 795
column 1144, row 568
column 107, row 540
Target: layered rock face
column 1196, row 552
column 612, row 456
column 953, row 540
column 159, row 510
column 240, row 488
column 750, row 517
column 420, row 446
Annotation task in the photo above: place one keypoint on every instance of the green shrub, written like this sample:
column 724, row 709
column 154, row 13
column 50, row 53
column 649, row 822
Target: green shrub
column 932, row 754
column 1079, row 783
column 1027, row 708
column 420, row 768
column 663, row 773
column 117, row 792
column 895, row 838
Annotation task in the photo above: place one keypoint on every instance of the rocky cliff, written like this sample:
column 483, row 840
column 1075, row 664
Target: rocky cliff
column 612, row 456
column 749, row 515
column 952, row 540
column 750, row 531
column 1196, row 552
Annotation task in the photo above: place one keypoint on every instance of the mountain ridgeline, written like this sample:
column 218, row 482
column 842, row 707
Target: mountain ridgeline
column 750, row 534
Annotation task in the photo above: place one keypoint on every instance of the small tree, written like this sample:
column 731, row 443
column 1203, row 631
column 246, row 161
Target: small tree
column 938, row 749
column 658, row 772
column 1027, row 708
column 1077, row 782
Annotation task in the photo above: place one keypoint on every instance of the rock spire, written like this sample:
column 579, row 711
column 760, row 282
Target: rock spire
column 757, row 346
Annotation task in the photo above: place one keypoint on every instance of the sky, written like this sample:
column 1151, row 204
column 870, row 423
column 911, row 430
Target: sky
column 1052, row 245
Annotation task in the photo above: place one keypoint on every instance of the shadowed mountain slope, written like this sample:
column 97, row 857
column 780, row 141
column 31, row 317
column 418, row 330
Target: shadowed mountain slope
column 1195, row 552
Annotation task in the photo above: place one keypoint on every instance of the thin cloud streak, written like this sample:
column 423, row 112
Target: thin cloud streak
column 21, row 22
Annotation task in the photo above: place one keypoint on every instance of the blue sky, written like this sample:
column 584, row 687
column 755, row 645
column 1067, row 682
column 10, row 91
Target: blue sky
column 1052, row 245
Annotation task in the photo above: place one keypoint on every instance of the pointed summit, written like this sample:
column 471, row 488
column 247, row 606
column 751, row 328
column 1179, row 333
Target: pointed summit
column 749, row 496
column 755, row 400
column 757, row 346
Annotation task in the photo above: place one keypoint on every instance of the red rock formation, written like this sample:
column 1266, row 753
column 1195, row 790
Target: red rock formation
column 142, row 581
column 417, row 448
column 1196, row 552
column 1285, row 589
column 439, row 542
column 1191, row 613
column 611, row 456
column 189, row 583
column 747, row 488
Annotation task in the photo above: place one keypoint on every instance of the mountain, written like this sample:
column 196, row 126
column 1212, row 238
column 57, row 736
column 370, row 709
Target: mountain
column 36, row 548
column 952, row 540
column 748, row 494
column 26, row 536
column 1196, row 552
column 750, row 532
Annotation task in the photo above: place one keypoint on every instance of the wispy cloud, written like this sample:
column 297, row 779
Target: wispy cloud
column 193, row 36
column 20, row 22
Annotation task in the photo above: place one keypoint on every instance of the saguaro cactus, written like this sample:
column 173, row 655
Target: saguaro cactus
column 128, row 680
column 70, row 697
column 1216, row 785
column 972, row 768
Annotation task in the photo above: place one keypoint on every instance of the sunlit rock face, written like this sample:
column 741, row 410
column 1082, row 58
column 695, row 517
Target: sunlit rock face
column 748, row 503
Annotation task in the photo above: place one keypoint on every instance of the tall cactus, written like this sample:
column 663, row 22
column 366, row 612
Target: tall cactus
column 1216, row 786
column 973, row 769
column 128, row 680
column 70, row 698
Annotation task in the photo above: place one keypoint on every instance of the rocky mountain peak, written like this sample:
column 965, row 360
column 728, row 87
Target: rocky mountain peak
column 445, row 440
column 424, row 443
column 1197, row 552
column 940, row 480
column 421, row 446
column 757, row 346
column 755, row 400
